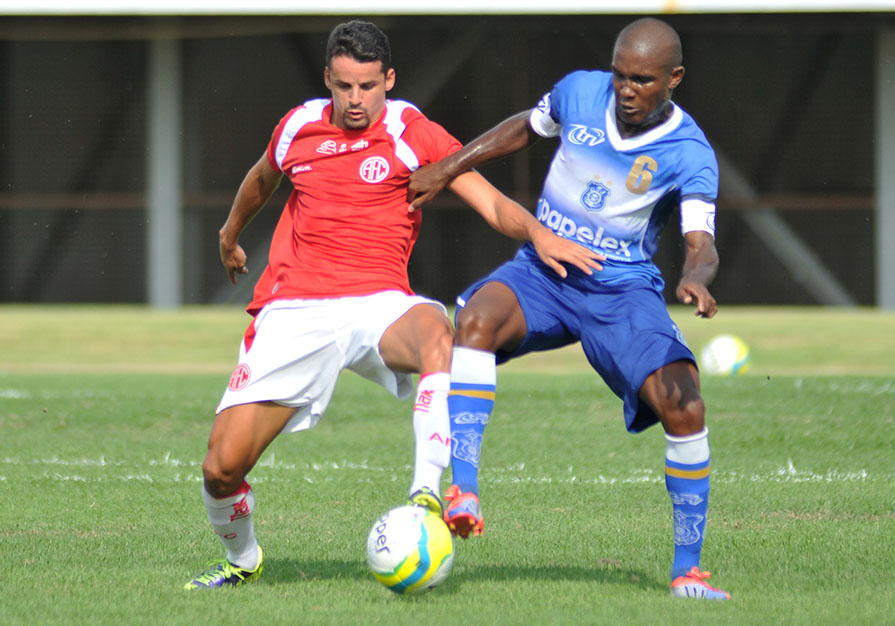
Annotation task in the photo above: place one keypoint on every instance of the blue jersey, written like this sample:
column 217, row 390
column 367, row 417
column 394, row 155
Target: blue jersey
column 615, row 195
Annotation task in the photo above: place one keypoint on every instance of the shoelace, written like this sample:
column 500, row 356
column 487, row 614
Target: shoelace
column 695, row 573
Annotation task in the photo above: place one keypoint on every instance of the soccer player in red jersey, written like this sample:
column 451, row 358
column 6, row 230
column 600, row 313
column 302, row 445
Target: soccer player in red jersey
column 335, row 294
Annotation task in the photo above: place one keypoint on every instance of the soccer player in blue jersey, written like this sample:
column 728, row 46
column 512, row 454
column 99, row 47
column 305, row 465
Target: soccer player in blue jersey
column 628, row 157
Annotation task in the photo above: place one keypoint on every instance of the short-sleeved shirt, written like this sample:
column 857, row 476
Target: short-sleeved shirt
column 345, row 230
column 615, row 195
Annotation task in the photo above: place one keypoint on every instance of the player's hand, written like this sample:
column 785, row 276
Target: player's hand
column 425, row 183
column 234, row 259
column 554, row 250
column 689, row 291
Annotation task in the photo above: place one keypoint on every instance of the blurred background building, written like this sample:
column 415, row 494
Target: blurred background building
column 125, row 132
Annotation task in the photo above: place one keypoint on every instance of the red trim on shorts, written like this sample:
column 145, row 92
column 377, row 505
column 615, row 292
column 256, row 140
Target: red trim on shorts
column 249, row 338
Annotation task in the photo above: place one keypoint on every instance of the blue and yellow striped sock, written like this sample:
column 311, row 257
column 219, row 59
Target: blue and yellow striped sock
column 470, row 403
column 687, row 480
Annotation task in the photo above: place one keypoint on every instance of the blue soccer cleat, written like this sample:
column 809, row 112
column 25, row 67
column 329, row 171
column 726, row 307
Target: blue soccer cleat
column 693, row 585
column 224, row 574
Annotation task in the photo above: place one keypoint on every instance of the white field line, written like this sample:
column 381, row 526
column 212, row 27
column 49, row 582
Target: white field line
column 15, row 394
column 170, row 469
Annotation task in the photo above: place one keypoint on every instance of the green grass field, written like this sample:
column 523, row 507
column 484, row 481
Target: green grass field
column 105, row 411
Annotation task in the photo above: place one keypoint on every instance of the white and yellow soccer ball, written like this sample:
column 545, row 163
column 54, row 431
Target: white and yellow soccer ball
column 724, row 355
column 410, row 550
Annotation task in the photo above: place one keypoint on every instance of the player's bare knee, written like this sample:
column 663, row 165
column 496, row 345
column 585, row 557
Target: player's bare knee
column 437, row 350
column 686, row 418
column 476, row 329
column 221, row 480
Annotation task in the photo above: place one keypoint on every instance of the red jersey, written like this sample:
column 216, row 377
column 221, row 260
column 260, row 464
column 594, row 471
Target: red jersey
column 345, row 230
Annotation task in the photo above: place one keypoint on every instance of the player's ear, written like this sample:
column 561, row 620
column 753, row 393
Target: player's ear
column 390, row 79
column 326, row 80
column 677, row 75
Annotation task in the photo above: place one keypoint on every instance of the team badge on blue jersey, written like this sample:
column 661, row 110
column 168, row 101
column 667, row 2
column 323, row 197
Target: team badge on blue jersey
column 595, row 196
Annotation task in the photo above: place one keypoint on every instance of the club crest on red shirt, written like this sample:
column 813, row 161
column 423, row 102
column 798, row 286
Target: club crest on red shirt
column 374, row 170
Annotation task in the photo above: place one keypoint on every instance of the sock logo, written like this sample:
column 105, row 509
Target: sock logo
column 471, row 418
column 446, row 441
column 468, row 446
column 424, row 401
column 686, row 531
column 240, row 510
column 685, row 498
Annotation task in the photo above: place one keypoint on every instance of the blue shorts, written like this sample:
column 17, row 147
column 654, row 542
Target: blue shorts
column 622, row 324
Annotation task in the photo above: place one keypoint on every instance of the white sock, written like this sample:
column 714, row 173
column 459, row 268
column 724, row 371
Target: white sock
column 688, row 449
column 231, row 518
column 432, row 431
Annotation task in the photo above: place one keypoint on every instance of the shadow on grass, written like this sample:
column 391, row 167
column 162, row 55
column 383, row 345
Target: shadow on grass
column 287, row 570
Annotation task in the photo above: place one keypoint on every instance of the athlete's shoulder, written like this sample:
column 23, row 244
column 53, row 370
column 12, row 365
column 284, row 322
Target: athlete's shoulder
column 402, row 108
column 427, row 139
column 291, row 126
column 400, row 114
column 583, row 92
column 691, row 134
column 695, row 158
column 310, row 109
column 589, row 81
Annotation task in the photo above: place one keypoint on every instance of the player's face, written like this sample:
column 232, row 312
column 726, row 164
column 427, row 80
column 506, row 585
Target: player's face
column 643, row 84
column 358, row 91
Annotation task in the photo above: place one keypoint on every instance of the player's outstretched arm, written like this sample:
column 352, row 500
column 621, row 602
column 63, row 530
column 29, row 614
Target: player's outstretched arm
column 700, row 267
column 510, row 218
column 258, row 185
column 511, row 135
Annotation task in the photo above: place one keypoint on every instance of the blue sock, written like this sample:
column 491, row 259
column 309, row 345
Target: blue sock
column 687, row 480
column 471, row 400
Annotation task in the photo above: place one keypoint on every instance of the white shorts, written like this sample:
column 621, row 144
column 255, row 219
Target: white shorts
column 294, row 350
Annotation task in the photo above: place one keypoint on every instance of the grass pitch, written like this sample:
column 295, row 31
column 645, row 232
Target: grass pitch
column 104, row 415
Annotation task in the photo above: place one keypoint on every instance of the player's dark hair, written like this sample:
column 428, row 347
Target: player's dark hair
column 362, row 41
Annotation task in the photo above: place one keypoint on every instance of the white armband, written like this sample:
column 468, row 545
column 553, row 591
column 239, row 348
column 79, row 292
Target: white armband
column 540, row 120
column 697, row 214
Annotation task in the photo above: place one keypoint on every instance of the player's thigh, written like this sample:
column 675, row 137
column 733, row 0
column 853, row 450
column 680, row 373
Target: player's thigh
column 418, row 341
column 239, row 436
column 627, row 335
column 492, row 319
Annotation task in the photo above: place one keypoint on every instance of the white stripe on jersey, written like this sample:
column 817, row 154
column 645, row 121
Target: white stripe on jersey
column 638, row 141
column 395, row 126
column 310, row 111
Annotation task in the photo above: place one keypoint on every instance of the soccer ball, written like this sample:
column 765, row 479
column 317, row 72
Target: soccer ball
column 724, row 355
column 410, row 550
